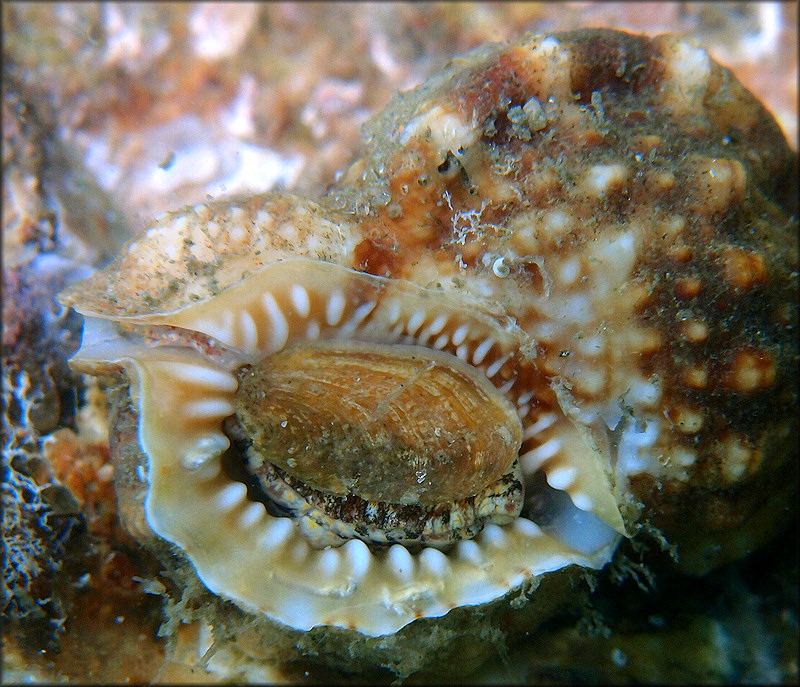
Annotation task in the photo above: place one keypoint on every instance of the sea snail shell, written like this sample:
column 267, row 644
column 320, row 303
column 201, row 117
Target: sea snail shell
column 597, row 225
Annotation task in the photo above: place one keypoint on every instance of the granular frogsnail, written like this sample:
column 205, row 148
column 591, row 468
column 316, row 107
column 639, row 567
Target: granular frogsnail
column 599, row 224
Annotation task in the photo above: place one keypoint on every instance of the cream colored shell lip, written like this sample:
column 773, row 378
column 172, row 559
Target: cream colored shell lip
column 264, row 563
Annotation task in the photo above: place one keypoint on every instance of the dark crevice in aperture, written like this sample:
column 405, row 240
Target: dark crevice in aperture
column 234, row 465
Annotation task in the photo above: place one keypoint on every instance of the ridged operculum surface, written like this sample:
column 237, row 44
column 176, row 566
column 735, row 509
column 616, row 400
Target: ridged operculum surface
column 396, row 425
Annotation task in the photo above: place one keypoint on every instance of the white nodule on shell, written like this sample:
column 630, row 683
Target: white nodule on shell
column 300, row 300
column 562, row 477
column 525, row 397
column 208, row 408
column 251, row 515
column 569, row 271
column 219, row 328
column 527, row 528
column 312, row 330
column 636, row 437
column 590, row 346
column 493, row 536
column 204, row 449
column 434, row 562
column 393, row 311
column 482, row 350
column 279, row 327
column 690, row 67
column 600, row 179
column 327, row 563
column 441, row 341
column 468, row 550
column 582, row 501
column 248, row 332
column 446, row 130
column 358, row 316
column 299, row 552
column 545, row 421
column 643, row 392
column 548, row 47
column 396, row 331
column 533, row 459
column 359, row 557
column 277, row 532
column 231, row 496
column 494, row 368
column 506, row 387
column 400, row 563
column 460, row 334
column 335, row 307
column 415, row 322
column 435, row 327
column 204, row 376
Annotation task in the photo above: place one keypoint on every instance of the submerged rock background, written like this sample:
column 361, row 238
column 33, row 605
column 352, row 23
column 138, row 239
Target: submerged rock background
column 114, row 113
